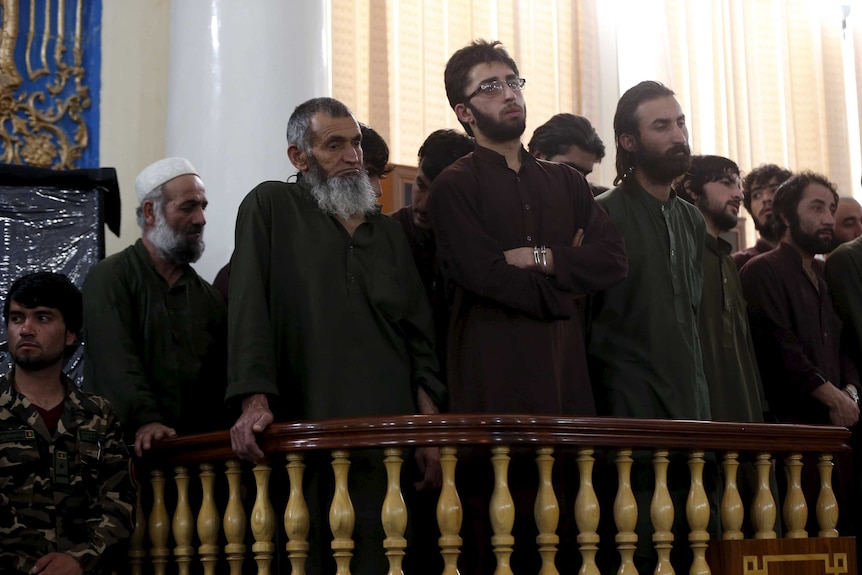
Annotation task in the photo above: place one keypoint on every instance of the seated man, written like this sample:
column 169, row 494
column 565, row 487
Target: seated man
column 65, row 492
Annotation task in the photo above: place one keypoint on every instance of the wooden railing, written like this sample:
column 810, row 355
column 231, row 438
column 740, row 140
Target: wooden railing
column 175, row 533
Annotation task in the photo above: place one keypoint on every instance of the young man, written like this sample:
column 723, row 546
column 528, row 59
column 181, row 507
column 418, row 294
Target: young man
column 729, row 361
column 520, row 239
column 66, row 492
column 758, row 188
column 375, row 153
column 568, row 139
column 848, row 220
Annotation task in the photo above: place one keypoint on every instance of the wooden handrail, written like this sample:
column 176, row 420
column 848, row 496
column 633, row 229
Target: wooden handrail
column 455, row 429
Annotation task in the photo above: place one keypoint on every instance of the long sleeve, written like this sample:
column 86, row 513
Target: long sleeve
column 114, row 367
column 844, row 277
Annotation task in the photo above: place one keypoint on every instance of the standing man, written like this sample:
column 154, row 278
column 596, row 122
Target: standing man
column 848, row 220
column 729, row 360
column 328, row 317
column 65, row 492
column 807, row 376
column 155, row 331
column 520, row 239
column 437, row 153
column 568, row 139
column 844, row 277
column 645, row 357
column 758, row 188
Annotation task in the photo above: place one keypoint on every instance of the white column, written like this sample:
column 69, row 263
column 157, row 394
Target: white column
column 237, row 71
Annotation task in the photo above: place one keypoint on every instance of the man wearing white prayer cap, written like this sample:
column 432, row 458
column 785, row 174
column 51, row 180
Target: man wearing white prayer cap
column 155, row 332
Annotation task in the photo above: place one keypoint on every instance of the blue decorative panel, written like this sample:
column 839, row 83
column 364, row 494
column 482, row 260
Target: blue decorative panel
column 50, row 65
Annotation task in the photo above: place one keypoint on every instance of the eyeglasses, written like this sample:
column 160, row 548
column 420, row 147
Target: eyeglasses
column 496, row 87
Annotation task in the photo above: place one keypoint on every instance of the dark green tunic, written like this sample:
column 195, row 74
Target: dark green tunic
column 729, row 360
column 157, row 352
column 334, row 325
column 643, row 344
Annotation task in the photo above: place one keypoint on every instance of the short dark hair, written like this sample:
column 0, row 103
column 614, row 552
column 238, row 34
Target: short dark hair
column 48, row 289
column 299, row 125
column 563, row 131
column 703, row 170
column 759, row 176
column 626, row 121
column 786, row 199
column 440, row 149
column 375, row 152
column 457, row 73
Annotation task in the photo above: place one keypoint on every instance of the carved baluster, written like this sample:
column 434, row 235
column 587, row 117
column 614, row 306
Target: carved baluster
column 208, row 520
column 827, row 505
column 546, row 511
column 449, row 514
column 158, row 526
column 262, row 520
column 697, row 512
column 234, row 518
column 763, row 512
column 587, row 513
column 136, row 543
column 502, row 510
column 795, row 507
column 182, row 523
column 341, row 514
column 625, row 513
column 661, row 512
column 394, row 512
column 296, row 517
column 732, row 513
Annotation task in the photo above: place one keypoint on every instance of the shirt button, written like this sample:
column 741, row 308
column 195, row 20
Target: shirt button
column 529, row 238
column 353, row 279
column 527, row 207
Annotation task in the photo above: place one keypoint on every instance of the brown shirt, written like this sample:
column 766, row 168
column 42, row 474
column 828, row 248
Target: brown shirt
column 796, row 334
column 515, row 341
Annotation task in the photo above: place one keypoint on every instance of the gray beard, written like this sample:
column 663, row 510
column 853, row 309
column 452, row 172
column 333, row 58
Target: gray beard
column 342, row 196
column 173, row 245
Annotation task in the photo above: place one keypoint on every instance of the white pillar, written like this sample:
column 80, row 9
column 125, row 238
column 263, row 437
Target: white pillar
column 237, row 71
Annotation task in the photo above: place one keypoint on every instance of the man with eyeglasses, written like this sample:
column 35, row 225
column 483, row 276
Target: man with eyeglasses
column 568, row 139
column 758, row 187
column 520, row 239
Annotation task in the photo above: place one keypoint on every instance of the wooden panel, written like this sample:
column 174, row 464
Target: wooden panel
column 397, row 188
column 814, row 556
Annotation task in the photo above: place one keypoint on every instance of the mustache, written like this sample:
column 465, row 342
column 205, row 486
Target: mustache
column 679, row 149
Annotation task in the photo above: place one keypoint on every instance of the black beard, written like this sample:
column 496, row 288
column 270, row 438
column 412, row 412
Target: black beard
column 720, row 218
column 33, row 364
column 811, row 244
column 767, row 230
column 498, row 131
column 664, row 168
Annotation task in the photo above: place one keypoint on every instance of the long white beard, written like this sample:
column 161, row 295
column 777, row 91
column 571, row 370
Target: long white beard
column 343, row 196
column 172, row 244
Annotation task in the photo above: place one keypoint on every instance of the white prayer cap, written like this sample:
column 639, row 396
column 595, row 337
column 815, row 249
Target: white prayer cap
column 160, row 173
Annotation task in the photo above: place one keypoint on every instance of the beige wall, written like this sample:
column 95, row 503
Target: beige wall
column 134, row 97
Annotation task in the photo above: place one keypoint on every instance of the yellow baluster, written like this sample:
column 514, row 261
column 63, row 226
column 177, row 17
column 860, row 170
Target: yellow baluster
column 763, row 512
column 262, row 520
column 732, row 510
column 182, row 522
column 449, row 514
column 697, row 512
column 502, row 510
column 795, row 507
column 158, row 526
column 587, row 513
column 625, row 513
column 827, row 505
column 208, row 520
column 394, row 512
column 661, row 513
column 136, row 543
column 296, row 517
column 234, row 518
column 546, row 511
column 341, row 515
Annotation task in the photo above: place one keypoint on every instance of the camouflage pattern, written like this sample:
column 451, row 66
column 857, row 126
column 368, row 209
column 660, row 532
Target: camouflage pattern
column 72, row 492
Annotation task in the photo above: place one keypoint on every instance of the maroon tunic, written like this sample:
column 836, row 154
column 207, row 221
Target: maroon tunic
column 515, row 342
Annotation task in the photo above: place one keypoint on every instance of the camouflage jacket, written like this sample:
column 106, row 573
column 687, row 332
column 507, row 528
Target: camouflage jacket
column 71, row 492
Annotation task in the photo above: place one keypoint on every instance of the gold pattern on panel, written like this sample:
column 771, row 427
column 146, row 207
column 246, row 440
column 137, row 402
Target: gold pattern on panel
column 833, row 563
column 31, row 132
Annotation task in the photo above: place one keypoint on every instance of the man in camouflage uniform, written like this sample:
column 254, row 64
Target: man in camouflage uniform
column 65, row 491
